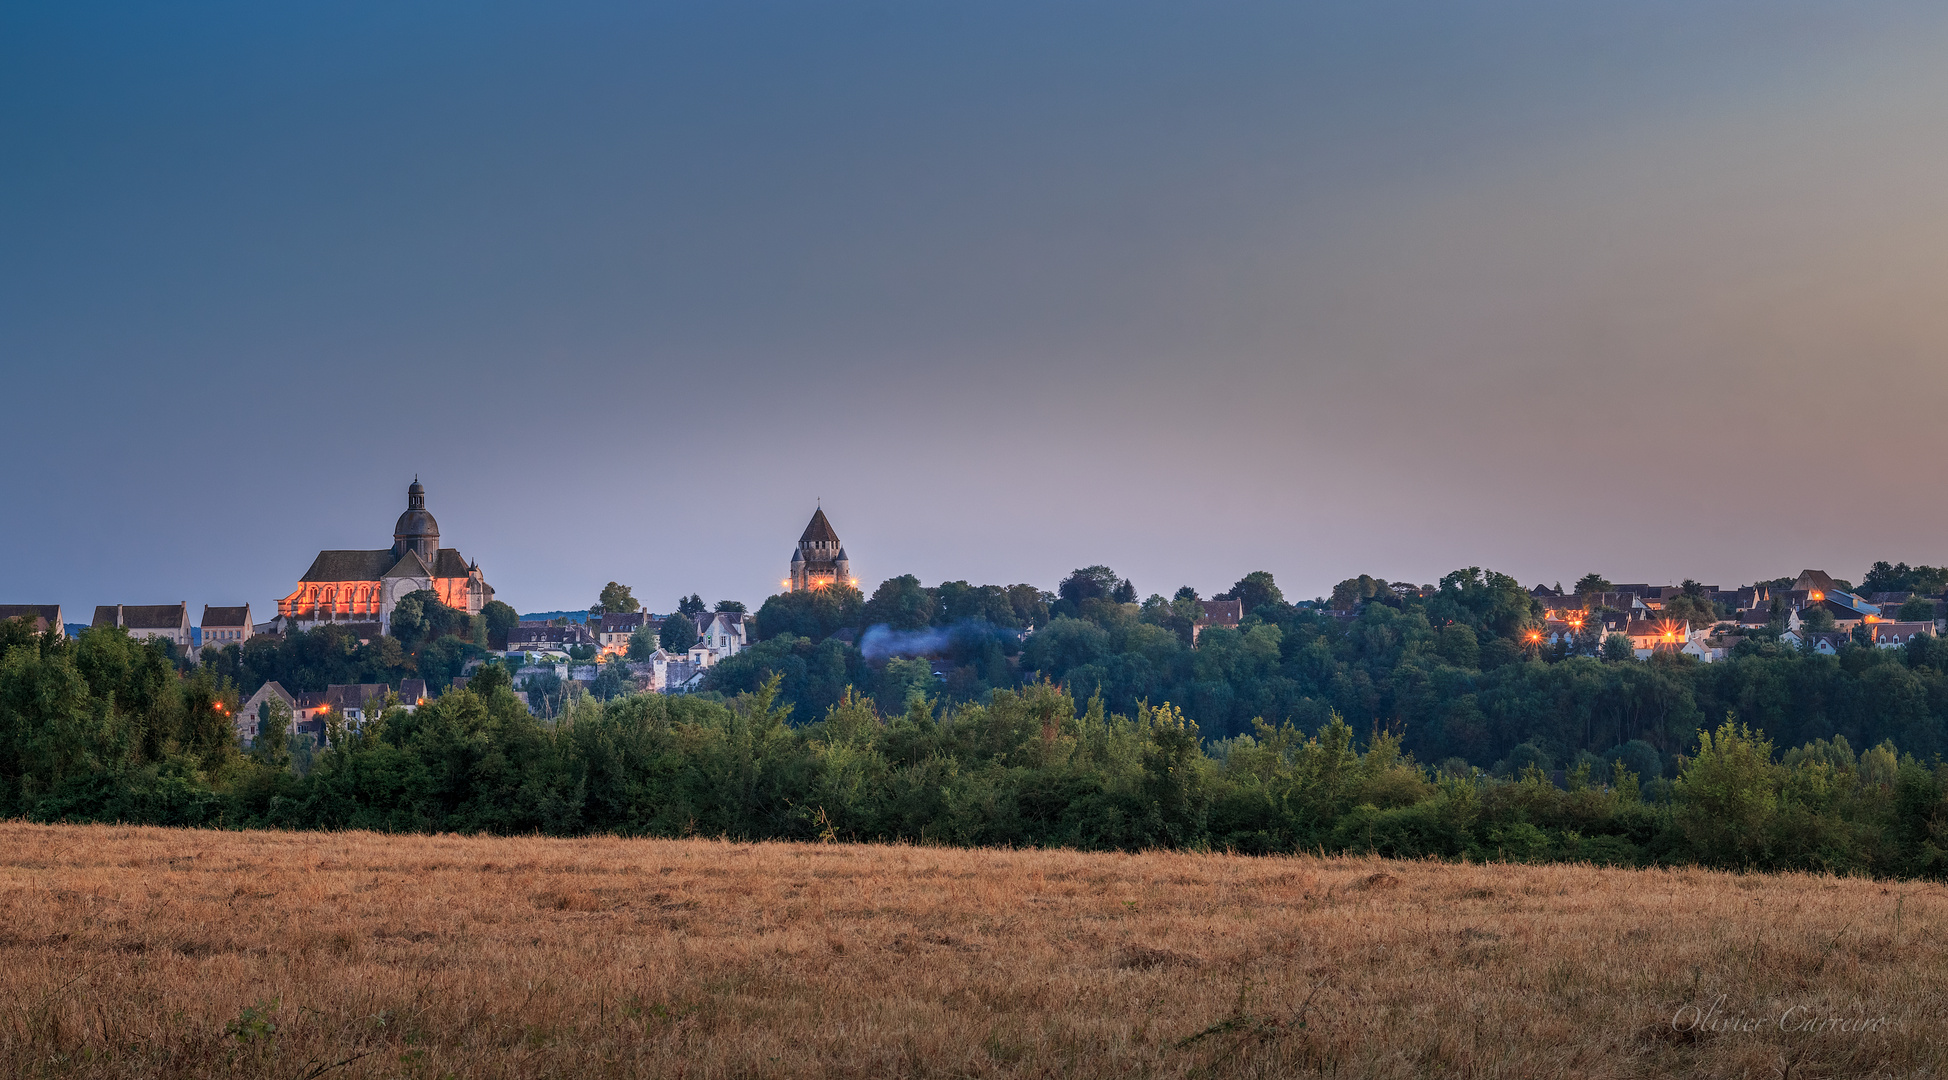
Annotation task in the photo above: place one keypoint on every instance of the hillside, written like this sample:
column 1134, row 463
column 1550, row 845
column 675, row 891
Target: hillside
column 166, row 953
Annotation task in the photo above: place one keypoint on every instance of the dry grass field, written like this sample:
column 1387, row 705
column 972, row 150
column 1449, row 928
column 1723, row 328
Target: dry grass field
column 150, row 952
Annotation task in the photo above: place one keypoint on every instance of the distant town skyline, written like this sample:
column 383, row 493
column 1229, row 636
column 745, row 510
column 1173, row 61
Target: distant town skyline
column 1652, row 290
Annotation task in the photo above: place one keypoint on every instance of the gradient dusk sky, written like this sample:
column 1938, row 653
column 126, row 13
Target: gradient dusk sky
column 1657, row 289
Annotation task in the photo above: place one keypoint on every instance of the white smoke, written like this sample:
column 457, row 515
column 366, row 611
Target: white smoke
column 881, row 642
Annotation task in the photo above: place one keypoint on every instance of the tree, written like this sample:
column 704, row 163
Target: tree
column 500, row 619
column 1353, row 592
column 1727, row 794
column 734, row 606
column 615, row 600
column 1256, row 589
column 679, row 633
column 643, row 643
column 1694, row 610
column 1917, row 609
column 1459, row 646
column 1030, row 604
column 1593, row 583
column 1089, row 583
column 900, row 603
column 1618, row 647
column 272, row 746
column 613, row 681
column 691, row 605
column 1185, row 592
column 811, row 613
column 1926, row 580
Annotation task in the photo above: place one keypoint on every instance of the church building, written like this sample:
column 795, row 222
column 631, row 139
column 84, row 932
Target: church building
column 363, row 586
column 819, row 560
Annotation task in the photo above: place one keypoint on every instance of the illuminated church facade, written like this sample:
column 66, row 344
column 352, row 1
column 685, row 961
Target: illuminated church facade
column 819, row 559
column 363, row 586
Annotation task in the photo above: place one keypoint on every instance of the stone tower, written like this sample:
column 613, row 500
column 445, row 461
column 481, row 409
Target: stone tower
column 819, row 559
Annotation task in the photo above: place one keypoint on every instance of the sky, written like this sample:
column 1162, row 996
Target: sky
column 1657, row 290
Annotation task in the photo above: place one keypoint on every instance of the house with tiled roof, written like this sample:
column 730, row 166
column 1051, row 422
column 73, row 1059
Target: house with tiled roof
column 168, row 622
column 548, row 639
column 252, row 712
column 1224, row 613
column 42, row 617
column 357, row 586
column 223, row 626
column 1646, row 637
column 613, row 632
column 1893, row 635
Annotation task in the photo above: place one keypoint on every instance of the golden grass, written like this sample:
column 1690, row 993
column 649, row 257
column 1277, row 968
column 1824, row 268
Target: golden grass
column 146, row 952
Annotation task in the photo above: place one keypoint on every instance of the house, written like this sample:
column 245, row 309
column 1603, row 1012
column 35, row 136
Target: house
column 357, row 702
column 43, row 617
column 226, row 625
column 1624, row 600
column 412, row 693
column 169, row 622
column 250, row 713
column 1756, row 617
column 1710, row 650
column 1647, row 636
column 1825, row 643
column 1225, row 613
column 613, row 632
column 1848, row 610
column 1893, row 635
column 548, row 639
column 724, row 633
column 666, row 673
column 1815, row 583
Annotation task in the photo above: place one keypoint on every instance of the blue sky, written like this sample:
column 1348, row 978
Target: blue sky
column 1653, row 289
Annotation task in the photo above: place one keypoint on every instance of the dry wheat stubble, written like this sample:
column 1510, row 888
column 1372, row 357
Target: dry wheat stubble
column 151, row 952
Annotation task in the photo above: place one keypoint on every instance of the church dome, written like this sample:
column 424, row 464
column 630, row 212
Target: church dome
column 416, row 523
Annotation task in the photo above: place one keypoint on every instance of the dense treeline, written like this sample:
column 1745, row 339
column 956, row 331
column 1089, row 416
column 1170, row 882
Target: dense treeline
column 1448, row 670
column 103, row 728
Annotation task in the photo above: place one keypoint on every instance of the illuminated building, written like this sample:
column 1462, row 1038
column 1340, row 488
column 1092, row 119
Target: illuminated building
column 361, row 587
column 819, row 559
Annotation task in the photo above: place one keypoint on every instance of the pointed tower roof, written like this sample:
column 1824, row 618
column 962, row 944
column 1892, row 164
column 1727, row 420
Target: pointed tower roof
column 819, row 531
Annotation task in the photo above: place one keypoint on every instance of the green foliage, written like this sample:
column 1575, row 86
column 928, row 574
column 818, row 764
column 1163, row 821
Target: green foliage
column 644, row 642
column 612, row 681
column 1089, row 583
column 678, row 634
column 614, row 600
column 811, row 613
column 1916, row 609
column 1900, row 577
column 1256, row 589
column 1728, row 794
column 500, row 618
column 901, row 604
